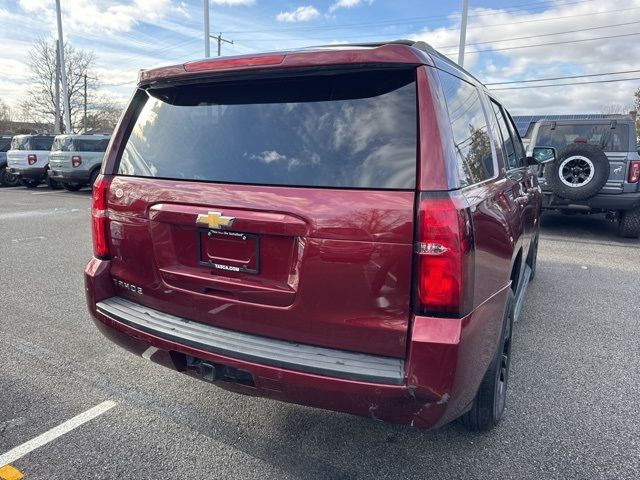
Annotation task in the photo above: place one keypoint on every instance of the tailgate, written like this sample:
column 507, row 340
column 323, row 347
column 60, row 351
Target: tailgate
column 278, row 208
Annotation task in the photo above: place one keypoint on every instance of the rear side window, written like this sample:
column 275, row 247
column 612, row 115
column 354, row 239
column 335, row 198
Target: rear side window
column 20, row 143
column 352, row 130
column 507, row 140
column 81, row 145
column 470, row 132
column 602, row 136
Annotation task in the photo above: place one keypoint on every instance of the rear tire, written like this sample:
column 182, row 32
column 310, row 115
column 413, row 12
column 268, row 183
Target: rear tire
column 629, row 225
column 29, row 183
column 489, row 403
column 53, row 185
column 8, row 179
column 72, row 187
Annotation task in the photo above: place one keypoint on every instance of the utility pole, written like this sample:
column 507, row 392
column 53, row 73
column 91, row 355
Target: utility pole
column 463, row 32
column 85, row 102
column 219, row 39
column 56, row 126
column 207, row 43
column 63, row 73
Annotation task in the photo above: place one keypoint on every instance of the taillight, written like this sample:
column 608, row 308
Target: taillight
column 100, row 217
column 32, row 159
column 634, row 172
column 444, row 250
column 76, row 161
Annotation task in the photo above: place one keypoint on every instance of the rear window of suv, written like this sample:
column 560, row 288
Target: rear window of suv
column 340, row 129
column 68, row 144
column 602, row 136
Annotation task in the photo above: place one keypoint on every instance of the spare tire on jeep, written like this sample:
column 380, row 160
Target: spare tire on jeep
column 579, row 171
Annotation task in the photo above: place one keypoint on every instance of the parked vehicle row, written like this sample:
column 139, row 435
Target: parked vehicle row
column 70, row 161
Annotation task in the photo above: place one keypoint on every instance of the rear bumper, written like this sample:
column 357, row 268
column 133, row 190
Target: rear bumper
column 613, row 201
column 37, row 173
column 69, row 176
column 434, row 385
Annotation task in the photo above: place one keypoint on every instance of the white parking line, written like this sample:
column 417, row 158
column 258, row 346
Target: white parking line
column 53, row 193
column 21, row 450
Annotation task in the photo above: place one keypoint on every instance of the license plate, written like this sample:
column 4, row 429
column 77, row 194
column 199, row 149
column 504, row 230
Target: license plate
column 229, row 251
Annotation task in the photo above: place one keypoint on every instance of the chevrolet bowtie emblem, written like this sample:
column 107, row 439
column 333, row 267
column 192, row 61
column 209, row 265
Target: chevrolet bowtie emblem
column 214, row 220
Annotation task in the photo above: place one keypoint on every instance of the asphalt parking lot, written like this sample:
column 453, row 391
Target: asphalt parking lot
column 573, row 408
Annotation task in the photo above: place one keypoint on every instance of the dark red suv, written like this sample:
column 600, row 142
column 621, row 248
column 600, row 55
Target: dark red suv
column 348, row 228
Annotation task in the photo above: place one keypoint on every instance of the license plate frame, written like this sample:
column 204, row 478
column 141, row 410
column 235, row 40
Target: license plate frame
column 241, row 236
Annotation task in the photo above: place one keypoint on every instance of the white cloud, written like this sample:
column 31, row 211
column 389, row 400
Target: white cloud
column 348, row 4
column 300, row 14
column 270, row 156
column 606, row 55
column 87, row 15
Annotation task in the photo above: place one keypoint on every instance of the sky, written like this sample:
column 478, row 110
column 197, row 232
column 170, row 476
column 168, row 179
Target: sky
column 128, row 35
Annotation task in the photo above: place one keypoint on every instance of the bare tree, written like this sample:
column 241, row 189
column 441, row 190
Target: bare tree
column 39, row 101
column 103, row 115
column 616, row 109
column 5, row 116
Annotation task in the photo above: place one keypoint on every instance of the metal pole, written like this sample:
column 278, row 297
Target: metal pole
column 207, row 52
column 463, row 32
column 63, row 73
column 85, row 102
column 219, row 39
column 56, row 125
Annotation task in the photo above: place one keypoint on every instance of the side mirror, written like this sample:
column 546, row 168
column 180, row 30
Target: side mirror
column 542, row 155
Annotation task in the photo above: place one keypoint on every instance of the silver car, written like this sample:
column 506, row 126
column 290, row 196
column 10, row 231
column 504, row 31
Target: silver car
column 75, row 160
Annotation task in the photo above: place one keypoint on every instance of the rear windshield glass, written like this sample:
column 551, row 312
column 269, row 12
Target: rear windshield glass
column 354, row 129
column 61, row 144
column 602, row 136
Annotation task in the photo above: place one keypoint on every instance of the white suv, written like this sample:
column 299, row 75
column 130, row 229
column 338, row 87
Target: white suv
column 28, row 158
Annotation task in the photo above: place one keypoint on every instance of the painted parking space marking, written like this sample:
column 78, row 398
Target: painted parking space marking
column 10, row 473
column 27, row 447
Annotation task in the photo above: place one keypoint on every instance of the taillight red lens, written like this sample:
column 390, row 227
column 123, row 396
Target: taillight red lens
column 100, row 217
column 76, row 161
column 634, row 172
column 32, row 159
column 444, row 250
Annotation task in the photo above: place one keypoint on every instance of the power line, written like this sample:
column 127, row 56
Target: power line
column 512, row 9
column 562, row 78
column 553, row 43
column 503, row 39
column 565, row 84
column 545, row 34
